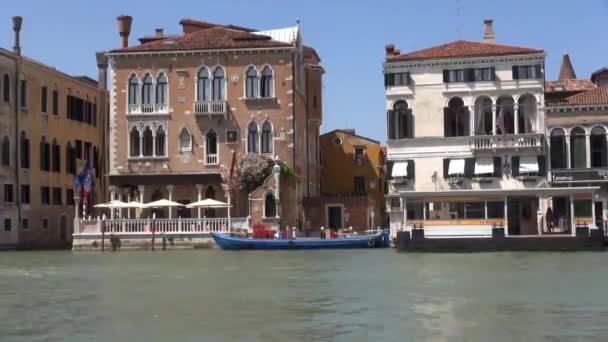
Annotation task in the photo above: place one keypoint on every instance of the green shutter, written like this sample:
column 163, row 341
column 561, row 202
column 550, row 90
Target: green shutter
column 446, row 165
column 469, row 167
column 497, row 167
column 515, row 166
column 542, row 165
column 411, row 170
column 446, row 76
column 493, row 73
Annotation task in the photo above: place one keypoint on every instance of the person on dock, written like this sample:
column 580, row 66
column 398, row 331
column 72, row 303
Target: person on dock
column 322, row 235
column 549, row 219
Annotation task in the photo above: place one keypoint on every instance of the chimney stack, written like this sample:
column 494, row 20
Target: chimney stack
column 124, row 29
column 158, row 32
column 17, row 21
column 389, row 49
column 102, row 66
column 488, row 31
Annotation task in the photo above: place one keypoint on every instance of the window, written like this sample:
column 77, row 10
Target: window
column 43, row 98
column 400, row 122
column 25, row 151
column 456, row 118
column 483, row 116
column 55, row 102
column 148, row 142
column 70, row 159
column 578, row 148
column 133, row 90
column 251, row 83
column 57, row 200
column 396, row 79
column 23, row 94
column 505, row 118
column 452, row 76
column 527, row 72
column 232, row 136
column 474, row 210
column 25, row 194
column 211, row 143
column 527, row 114
column 185, row 140
column 359, row 155
column 146, row 90
column 218, row 84
column 6, row 151
column 25, row 223
column 359, row 185
column 203, row 89
column 69, row 197
column 469, row 75
column 161, row 90
column 45, row 223
column 8, row 193
column 267, row 83
column 56, row 152
column 270, row 206
column 134, row 140
column 267, row 139
column 484, row 74
column 45, row 155
column 7, row 225
column 496, row 210
column 599, row 150
column 252, row 138
column 79, row 153
column 6, row 88
column 45, row 195
column 558, row 149
column 160, row 142
column 444, row 210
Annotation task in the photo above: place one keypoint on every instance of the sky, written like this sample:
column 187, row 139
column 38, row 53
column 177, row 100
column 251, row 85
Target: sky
column 348, row 35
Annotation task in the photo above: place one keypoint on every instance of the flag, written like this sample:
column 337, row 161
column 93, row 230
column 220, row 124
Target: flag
column 85, row 181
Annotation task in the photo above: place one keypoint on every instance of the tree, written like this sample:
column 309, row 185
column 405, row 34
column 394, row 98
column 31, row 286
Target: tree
column 253, row 169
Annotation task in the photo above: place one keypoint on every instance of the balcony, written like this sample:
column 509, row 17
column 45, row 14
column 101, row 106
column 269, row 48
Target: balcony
column 210, row 108
column 148, row 109
column 493, row 143
column 211, row 159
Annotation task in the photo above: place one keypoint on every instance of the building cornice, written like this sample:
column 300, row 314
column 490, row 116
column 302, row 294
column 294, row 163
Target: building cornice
column 199, row 52
column 465, row 61
column 574, row 109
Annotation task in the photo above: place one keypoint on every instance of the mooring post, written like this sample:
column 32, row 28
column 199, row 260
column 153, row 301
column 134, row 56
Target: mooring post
column 152, row 226
column 103, row 232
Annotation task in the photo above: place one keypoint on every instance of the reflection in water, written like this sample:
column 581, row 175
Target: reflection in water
column 377, row 295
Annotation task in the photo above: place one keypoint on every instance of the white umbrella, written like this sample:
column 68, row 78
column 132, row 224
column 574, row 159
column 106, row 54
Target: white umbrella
column 163, row 203
column 112, row 204
column 133, row 204
column 208, row 203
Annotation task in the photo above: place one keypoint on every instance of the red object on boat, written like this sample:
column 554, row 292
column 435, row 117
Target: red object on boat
column 333, row 234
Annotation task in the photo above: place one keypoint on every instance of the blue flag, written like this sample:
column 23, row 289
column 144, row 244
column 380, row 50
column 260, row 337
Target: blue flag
column 85, row 179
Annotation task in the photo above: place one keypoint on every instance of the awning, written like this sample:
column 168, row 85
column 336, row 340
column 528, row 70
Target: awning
column 456, row 167
column 528, row 165
column 400, row 169
column 533, row 192
column 484, row 166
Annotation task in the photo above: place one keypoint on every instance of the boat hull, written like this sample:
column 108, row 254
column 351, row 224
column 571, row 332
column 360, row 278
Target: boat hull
column 227, row 242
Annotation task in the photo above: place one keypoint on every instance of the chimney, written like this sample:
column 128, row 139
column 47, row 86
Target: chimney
column 102, row 66
column 17, row 21
column 158, row 32
column 488, row 31
column 566, row 70
column 124, row 29
column 390, row 49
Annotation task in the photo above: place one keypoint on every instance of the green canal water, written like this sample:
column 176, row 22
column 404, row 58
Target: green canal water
column 359, row 295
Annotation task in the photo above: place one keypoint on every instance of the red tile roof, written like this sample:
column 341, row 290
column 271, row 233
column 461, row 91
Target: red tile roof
column 462, row 48
column 206, row 24
column 569, row 85
column 596, row 96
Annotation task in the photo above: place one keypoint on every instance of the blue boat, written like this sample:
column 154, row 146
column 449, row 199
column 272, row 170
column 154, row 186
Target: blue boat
column 228, row 242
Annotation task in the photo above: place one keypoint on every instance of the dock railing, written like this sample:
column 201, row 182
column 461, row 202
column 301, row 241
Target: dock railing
column 177, row 226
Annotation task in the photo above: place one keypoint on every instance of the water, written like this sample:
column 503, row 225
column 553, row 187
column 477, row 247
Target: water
column 359, row 295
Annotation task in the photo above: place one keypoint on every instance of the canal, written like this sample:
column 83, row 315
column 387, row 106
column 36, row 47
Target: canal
column 359, row 295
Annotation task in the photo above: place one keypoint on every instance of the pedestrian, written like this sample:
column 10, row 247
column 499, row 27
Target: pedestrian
column 322, row 235
column 549, row 219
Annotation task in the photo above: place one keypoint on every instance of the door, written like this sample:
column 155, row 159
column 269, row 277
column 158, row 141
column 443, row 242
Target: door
column 334, row 215
column 514, row 216
column 599, row 209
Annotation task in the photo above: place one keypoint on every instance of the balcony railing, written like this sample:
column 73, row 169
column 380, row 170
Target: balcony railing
column 506, row 142
column 210, row 107
column 159, row 108
column 145, row 226
column 211, row 159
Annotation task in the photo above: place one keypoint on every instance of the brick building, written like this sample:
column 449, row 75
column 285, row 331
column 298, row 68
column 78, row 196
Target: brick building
column 50, row 123
column 182, row 104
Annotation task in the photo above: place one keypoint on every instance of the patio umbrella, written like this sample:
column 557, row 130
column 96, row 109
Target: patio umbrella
column 163, row 203
column 134, row 204
column 208, row 203
column 112, row 204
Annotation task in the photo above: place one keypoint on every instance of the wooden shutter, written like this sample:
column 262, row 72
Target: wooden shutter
column 410, row 124
column 539, row 71
column 493, row 73
column 469, row 167
column 515, row 72
column 467, row 122
column 515, row 166
column 446, row 165
column 497, row 167
column 411, row 170
column 542, row 165
column 446, row 76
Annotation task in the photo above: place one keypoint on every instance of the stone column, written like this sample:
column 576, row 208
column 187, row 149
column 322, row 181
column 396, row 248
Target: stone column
column 140, row 189
column 568, row 161
column 588, row 150
column 540, row 213
column 516, row 118
column 112, row 197
column 592, row 225
column 199, row 197
column 471, row 120
column 170, row 190
column 404, row 206
column 506, row 217
column 77, row 202
column 141, row 144
column 572, row 221
column 494, row 118
column 128, row 200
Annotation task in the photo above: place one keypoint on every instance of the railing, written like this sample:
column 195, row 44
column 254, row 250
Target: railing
column 508, row 141
column 210, row 107
column 211, row 159
column 144, row 226
column 148, row 108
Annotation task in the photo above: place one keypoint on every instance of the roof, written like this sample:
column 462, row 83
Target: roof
column 351, row 132
column 596, row 96
column 285, row 35
column 462, row 48
column 597, row 73
column 206, row 24
column 566, row 70
column 569, row 85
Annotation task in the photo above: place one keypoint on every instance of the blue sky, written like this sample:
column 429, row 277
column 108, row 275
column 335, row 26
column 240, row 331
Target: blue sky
column 349, row 35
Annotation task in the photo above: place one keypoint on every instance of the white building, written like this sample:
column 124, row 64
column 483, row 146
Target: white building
column 466, row 142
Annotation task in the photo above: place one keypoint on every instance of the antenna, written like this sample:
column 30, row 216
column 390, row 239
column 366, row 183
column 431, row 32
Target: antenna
column 459, row 10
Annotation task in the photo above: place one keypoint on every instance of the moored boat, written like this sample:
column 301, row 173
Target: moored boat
column 228, row 242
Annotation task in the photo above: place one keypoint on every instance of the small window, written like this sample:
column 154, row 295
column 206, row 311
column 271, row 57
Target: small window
column 338, row 141
column 6, row 88
column 6, row 151
column 23, row 93
column 8, row 193
column 45, row 195
column 55, row 102
column 25, row 194
column 79, row 153
column 359, row 184
column 396, row 79
column 232, row 136
column 359, row 155
column 43, row 98
column 7, row 225
column 57, row 200
column 45, row 223
column 25, row 224
column 185, row 140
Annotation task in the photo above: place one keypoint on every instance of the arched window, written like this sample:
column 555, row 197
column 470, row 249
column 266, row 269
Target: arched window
column 134, row 142
column 505, row 122
column 270, row 206
column 211, row 147
column 146, row 90
column 400, row 123
column 160, row 142
column 210, row 194
column 483, row 116
column 25, row 151
column 23, row 94
column 133, row 89
column 203, row 92
column 6, row 88
column 161, row 90
column 251, row 83
column 185, row 140
column 578, row 148
column 148, row 142
column 526, row 114
column 599, row 150
column 267, row 137
column 252, row 138
column 557, row 140
column 456, row 118
column 266, row 84
column 6, row 151
column 218, row 84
